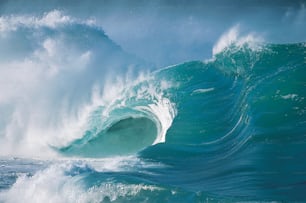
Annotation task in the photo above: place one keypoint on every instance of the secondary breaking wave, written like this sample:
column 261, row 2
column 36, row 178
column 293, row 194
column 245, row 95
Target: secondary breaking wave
column 53, row 65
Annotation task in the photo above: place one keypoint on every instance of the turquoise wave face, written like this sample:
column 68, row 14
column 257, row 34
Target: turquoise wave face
column 127, row 136
column 216, row 100
column 240, row 127
column 260, row 90
column 238, row 132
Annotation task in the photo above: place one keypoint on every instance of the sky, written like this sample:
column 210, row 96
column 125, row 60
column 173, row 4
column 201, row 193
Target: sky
column 171, row 32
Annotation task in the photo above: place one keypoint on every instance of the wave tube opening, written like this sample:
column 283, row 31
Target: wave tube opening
column 124, row 137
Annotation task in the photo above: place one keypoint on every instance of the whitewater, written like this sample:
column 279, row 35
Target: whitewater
column 86, row 119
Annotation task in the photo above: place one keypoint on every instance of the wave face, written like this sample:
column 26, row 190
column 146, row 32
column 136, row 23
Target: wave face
column 240, row 127
column 92, row 125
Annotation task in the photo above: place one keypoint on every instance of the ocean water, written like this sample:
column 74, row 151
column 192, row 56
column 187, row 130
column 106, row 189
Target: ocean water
column 85, row 119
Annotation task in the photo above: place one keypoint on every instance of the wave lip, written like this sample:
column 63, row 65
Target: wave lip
column 138, row 115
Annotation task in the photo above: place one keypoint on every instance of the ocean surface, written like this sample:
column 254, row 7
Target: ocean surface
column 84, row 119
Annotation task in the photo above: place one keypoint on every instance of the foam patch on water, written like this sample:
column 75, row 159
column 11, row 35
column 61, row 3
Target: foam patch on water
column 111, row 191
column 289, row 96
column 114, row 163
column 63, row 182
column 201, row 91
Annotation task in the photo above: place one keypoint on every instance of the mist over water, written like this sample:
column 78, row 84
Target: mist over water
column 164, row 101
column 170, row 32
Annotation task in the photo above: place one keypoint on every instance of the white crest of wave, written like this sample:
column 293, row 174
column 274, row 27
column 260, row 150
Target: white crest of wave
column 50, row 19
column 163, row 113
column 233, row 37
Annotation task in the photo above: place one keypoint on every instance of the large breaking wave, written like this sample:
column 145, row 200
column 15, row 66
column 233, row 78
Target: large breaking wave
column 231, row 128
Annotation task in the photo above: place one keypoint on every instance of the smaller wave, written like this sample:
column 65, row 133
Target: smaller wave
column 233, row 37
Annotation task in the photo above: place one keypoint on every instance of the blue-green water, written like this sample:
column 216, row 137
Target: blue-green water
column 228, row 129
